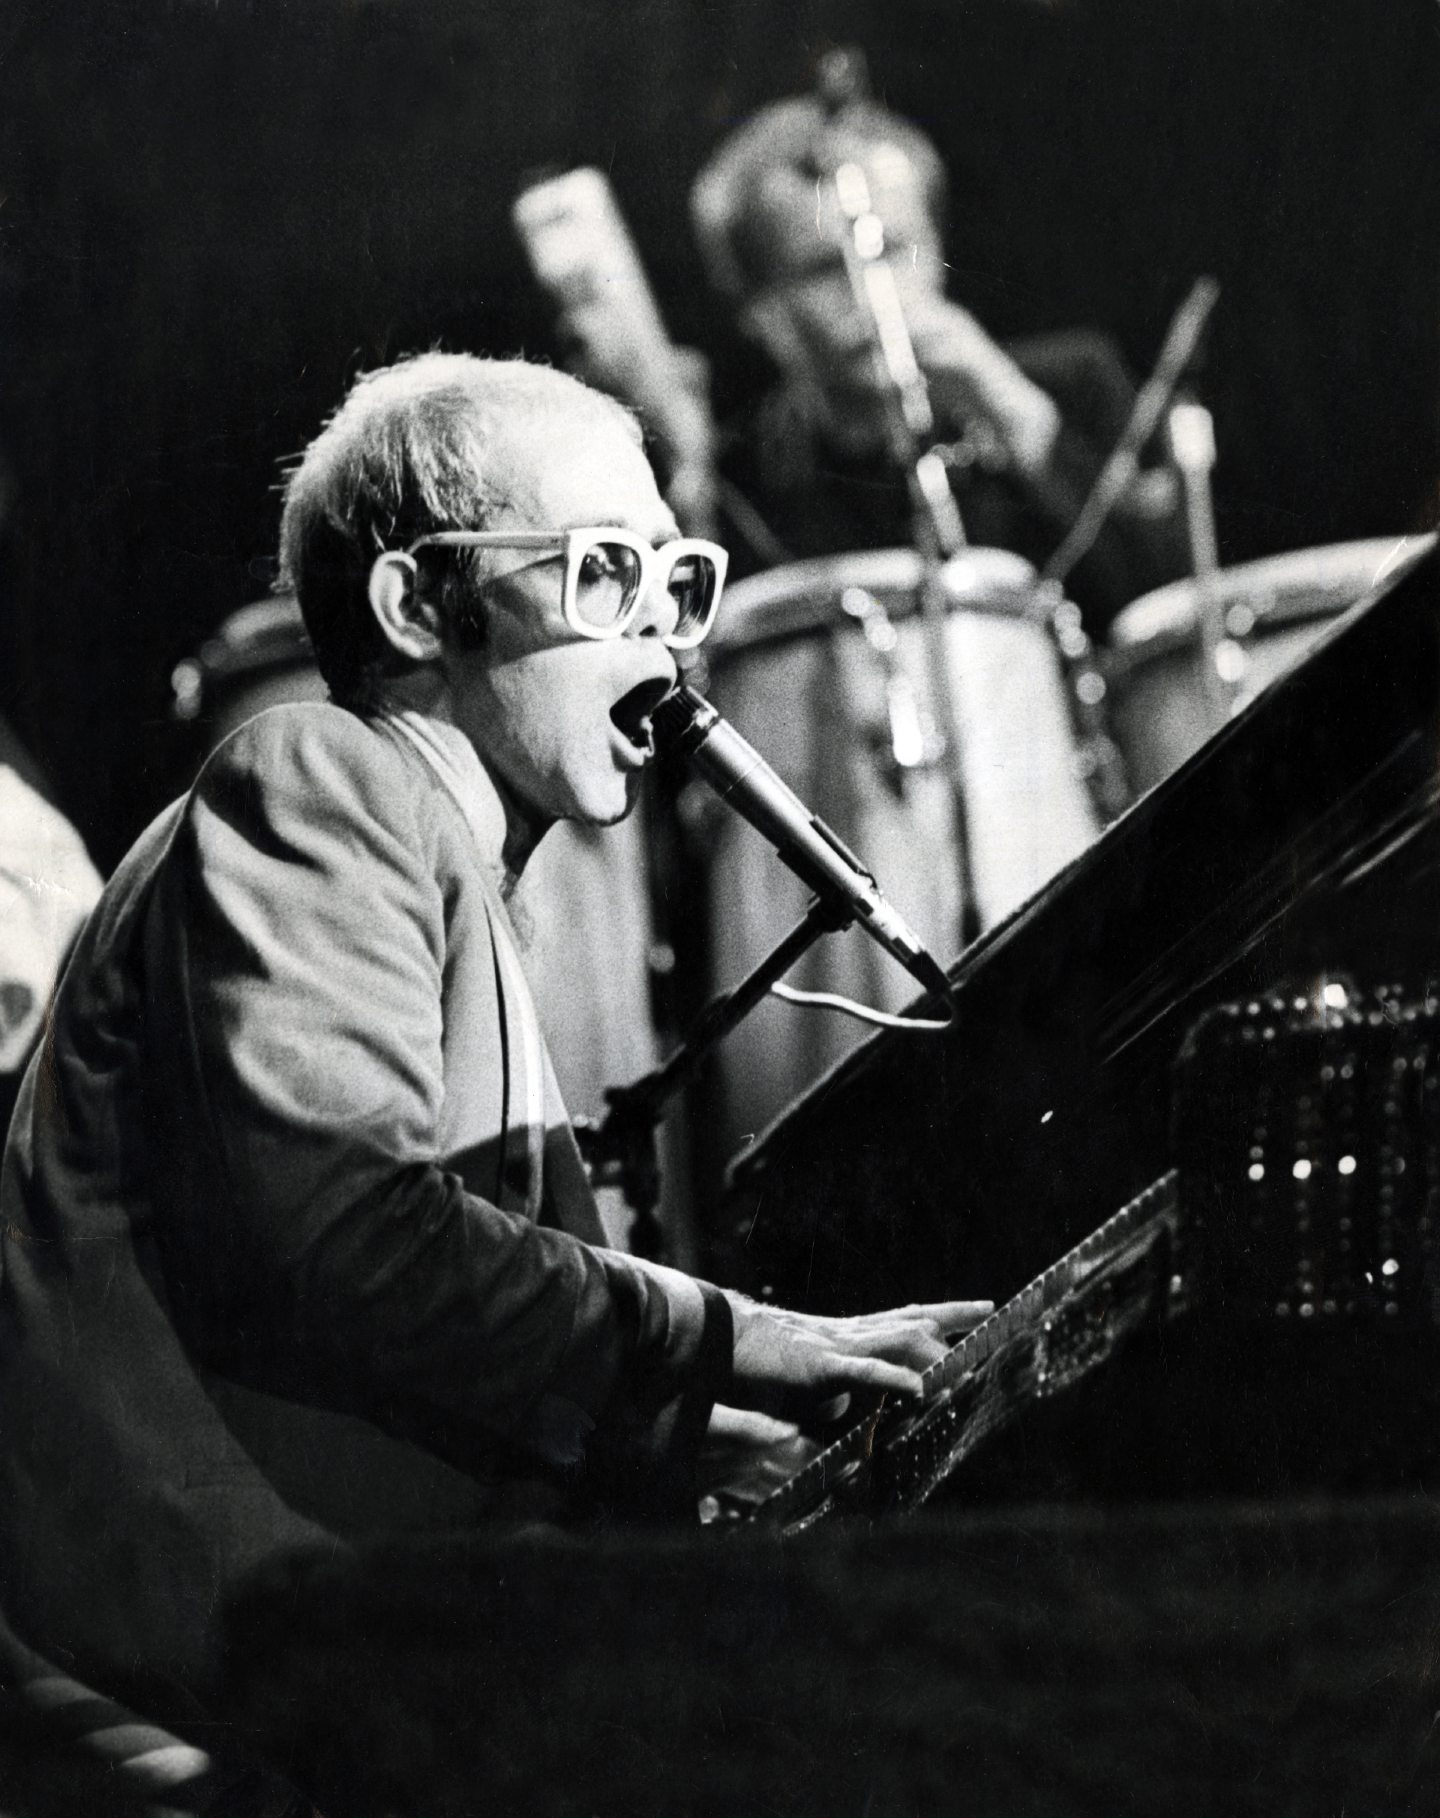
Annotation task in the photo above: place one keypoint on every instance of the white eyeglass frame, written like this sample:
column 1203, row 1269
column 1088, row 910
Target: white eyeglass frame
column 656, row 565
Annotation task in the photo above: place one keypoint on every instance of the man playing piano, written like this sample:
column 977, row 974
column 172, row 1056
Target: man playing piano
column 297, row 1244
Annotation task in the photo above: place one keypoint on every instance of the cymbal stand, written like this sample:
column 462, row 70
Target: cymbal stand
column 1123, row 462
column 937, row 529
column 1192, row 444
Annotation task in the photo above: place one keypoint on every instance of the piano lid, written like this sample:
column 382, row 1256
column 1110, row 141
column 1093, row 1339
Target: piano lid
column 1303, row 838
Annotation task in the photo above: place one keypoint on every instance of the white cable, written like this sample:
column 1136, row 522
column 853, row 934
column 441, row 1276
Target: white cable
column 882, row 1019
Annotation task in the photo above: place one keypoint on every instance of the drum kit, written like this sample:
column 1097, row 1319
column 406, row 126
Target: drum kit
column 825, row 666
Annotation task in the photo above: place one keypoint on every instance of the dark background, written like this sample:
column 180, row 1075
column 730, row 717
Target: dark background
column 214, row 215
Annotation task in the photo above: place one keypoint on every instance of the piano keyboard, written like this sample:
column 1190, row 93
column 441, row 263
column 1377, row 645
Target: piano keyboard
column 1065, row 1324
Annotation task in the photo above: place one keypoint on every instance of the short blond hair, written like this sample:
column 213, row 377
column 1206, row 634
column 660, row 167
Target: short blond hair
column 416, row 447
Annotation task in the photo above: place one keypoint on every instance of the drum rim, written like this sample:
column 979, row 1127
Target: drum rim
column 806, row 594
column 1168, row 617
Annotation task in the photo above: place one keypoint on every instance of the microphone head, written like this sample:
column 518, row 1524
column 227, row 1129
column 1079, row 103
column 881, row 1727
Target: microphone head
column 683, row 718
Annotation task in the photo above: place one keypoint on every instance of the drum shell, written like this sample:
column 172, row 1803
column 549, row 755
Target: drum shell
column 1162, row 712
column 581, row 911
column 1161, row 708
column 794, row 674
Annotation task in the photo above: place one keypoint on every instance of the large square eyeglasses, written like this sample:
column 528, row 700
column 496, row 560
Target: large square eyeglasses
column 608, row 572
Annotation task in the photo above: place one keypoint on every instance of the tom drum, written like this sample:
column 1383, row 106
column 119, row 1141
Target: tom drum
column 824, row 666
column 1163, row 706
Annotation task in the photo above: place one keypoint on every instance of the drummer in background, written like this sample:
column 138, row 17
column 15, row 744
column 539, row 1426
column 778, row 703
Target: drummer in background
column 1031, row 425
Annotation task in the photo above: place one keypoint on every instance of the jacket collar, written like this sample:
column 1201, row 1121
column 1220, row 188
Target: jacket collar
column 453, row 759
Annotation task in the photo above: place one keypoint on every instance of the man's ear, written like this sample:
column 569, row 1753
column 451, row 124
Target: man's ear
column 409, row 623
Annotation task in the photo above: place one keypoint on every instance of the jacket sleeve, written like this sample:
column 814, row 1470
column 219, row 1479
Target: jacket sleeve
column 295, row 950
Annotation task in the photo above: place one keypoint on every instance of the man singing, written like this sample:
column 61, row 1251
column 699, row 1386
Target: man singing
column 297, row 1243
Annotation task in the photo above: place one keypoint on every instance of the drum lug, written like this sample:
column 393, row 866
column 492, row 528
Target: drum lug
column 1098, row 763
column 914, row 742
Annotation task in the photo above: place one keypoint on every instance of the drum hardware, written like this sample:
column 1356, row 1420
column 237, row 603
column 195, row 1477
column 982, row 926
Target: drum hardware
column 937, row 528
column 1098, row 762
column 909, row 419
column 1192, row 444
column 1115, row 477
column 798, row 600
column 933, row 615
column 913, row 742
column 978, row 447
column 910, row 426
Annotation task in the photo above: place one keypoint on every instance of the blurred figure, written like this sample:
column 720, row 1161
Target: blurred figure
column 1029, row 426
column 613, row 334
column 47, row 888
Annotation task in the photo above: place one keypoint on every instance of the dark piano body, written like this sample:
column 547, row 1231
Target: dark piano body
column 1302, row 843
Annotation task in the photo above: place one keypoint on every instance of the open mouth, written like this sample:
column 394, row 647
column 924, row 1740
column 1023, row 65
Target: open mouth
column 631, row 713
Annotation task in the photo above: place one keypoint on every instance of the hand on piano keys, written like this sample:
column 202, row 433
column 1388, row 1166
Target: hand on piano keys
column 824, row 1372
column 746, row 1456
column 794, row 1364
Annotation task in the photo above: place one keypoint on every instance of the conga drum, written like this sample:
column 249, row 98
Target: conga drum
column 1164, row 706
column 581, row 910
column 825, row 667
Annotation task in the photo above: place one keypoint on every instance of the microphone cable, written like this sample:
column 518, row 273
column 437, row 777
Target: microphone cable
column 863, row 1013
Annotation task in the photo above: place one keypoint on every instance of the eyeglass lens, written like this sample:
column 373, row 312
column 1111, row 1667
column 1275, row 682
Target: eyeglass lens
column 692, row 587
column 607, row 583
column 609, row 579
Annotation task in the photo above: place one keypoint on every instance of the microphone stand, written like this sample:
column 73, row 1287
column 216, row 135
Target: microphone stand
column 1104, row 764
column 620, row 1149
column 937, row 529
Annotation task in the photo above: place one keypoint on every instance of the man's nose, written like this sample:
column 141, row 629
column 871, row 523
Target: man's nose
column 659, row 612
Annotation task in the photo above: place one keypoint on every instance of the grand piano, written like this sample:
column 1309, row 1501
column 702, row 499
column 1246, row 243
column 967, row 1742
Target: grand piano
column 1201, row 1577
column 1289, row 872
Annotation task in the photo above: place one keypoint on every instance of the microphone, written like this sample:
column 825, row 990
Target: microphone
column 738, row 774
